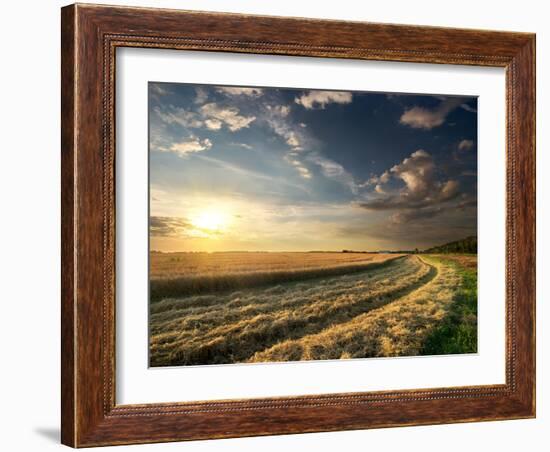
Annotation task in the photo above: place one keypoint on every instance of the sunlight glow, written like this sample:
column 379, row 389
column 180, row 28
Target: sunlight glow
column 211, row 221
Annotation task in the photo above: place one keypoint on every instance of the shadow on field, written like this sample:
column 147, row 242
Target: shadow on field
column 196, row 285
column 234, row 348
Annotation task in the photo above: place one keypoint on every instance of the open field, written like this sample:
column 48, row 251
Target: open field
column 173, row 265
column 345, row 305
column 182, row 274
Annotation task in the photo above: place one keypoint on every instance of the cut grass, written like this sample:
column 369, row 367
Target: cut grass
column 394, row 329
column 298, row 267
column 404, row 306
column 234, row 326
column 457, row 333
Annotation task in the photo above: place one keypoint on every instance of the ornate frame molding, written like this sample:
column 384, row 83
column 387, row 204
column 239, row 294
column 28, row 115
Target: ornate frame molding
column 90, row 37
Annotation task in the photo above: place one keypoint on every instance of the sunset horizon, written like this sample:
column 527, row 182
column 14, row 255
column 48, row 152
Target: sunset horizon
column 250, row 169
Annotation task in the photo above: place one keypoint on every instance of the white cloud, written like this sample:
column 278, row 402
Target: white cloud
column 292, row 158
column 417, row 172
column 304, row 172
column 426, row 118
column 211, row 115
column 320, row 99
column 158, row 90
column 242, row 145
column 333, row 170
column 230, row 116
column 448, row 190
column 376, row 180
column 176, row 115
column 277, row 118
column 300, row 143
column 201, row 95
column 279, row 110
column 465, row 145
column 190, row 146
column 421, row 189
column 292, row 139
column 237, row 91
column 213, row 124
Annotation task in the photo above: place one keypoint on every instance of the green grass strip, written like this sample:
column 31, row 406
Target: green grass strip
column 457, row 333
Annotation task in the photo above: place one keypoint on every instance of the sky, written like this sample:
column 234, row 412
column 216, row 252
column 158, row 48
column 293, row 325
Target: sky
column 285, row 169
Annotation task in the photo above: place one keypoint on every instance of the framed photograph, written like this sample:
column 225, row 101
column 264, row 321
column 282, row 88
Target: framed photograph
column 281, row 225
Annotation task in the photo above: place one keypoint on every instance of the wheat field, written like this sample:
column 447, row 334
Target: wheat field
column 174, row 265
column 174, row 275
column 344, row 305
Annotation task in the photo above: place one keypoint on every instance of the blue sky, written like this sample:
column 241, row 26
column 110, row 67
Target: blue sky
column 250, row 168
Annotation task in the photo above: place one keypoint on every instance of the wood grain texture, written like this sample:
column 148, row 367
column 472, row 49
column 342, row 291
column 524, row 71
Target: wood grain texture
column 90, row 36
column 68, row 146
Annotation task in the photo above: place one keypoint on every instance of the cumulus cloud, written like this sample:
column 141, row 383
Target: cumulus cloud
column 213, row 124
column 320, row 99
column 428, row 118
column 465, row 145
column 376, row 180
column 421, row 190
column 190, row 146
column 210, row 115
column 278, row 110
column 230, row 116
column 417, row 171
column 449, row 190
column 158, row 90
column 180, row 116
column 238, row 91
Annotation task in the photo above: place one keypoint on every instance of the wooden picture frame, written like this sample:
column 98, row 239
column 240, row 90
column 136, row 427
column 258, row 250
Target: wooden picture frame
column 90, row 36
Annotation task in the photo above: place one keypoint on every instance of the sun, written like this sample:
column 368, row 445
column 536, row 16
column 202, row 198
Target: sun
column 211, row 220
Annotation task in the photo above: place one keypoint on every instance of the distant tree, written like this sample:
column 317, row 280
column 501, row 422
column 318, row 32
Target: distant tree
column 467, row 245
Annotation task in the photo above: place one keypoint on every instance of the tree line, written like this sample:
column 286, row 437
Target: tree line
column 467, row 245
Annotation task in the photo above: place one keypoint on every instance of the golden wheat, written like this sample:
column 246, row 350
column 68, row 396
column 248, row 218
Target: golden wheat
column 241, row 325
column 396, row 329
column 203, row 273
column 174, row 265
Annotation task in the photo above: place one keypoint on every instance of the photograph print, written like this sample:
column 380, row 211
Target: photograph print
column 296, row 224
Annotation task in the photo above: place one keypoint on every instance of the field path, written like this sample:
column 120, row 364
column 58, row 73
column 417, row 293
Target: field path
column 396, row 329
column 280, row 322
